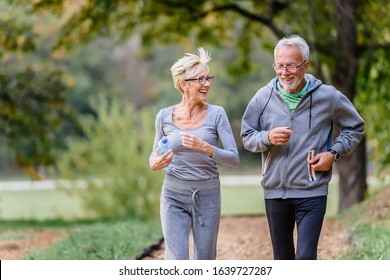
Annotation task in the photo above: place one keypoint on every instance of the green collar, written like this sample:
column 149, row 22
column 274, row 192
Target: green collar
column 298, row 94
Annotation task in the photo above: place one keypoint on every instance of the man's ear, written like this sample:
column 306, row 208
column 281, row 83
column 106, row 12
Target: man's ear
column 307, row 63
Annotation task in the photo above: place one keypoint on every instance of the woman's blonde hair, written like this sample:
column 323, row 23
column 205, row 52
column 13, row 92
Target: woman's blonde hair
column 189, row 66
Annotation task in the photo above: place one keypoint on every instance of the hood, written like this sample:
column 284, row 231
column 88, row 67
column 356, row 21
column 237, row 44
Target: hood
column 314, row 84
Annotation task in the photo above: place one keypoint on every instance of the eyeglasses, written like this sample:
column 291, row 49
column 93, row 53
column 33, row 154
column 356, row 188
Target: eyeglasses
column 290, row 68
column 202, row 80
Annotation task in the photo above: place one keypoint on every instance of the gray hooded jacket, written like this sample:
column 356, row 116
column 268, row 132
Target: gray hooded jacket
column 285, row 170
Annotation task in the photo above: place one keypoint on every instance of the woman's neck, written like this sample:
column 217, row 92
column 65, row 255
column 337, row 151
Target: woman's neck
column 189, row 109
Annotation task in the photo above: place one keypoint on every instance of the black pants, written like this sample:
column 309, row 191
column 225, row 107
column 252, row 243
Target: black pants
column 308, row 214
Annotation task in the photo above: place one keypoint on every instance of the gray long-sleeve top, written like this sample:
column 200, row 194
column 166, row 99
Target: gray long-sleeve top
column 194, row 165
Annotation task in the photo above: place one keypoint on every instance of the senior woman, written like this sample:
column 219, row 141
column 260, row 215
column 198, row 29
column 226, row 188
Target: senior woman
column 190, row 197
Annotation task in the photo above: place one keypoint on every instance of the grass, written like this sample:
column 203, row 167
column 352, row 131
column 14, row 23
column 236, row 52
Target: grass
column 56, row 204
column 103, row 240
column 369, row 227
column 249, row 202
column 370, row 242
column 39, row 205
column 88, row 239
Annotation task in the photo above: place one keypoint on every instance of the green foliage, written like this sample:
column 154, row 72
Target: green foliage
column 373, row 102
column 91, row 69
column 373, row 24
column 32, row 109
column 116, row 240
column 16, row 29
column 113, row 160
column 95, row 18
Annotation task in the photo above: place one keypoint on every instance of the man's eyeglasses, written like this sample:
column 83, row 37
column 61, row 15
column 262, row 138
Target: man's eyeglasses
column 202, row 80
column 290, row 68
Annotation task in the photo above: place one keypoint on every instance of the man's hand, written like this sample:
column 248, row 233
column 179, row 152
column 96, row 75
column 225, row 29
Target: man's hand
column 322, row 161
column 279, row 135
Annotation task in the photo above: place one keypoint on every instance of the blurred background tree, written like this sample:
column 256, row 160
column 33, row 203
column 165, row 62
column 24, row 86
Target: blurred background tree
column 125, row 49
column 32, row 109
column 111, row 160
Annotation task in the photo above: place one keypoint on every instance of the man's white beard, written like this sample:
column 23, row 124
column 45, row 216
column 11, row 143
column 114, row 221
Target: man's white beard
column 290, row 87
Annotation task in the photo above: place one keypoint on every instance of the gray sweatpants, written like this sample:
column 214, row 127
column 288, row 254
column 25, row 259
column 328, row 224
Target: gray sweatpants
column 187, row 206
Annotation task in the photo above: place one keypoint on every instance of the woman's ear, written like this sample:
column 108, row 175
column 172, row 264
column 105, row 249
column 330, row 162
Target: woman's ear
column 184, row 86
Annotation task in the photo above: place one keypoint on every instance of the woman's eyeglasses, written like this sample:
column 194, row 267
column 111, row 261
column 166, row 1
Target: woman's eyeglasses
column 202, row 80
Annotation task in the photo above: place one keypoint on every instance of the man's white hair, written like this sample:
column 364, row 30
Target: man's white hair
column 293, row 40
column 189, row 66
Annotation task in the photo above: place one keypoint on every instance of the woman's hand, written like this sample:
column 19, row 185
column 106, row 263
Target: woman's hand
column 193, row 142
column 160, row 162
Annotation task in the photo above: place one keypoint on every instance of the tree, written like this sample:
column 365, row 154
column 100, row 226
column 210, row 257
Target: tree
column 111, row 159
column 16, row 30
column 338, row 31
column 33, row 100
column 32, row 109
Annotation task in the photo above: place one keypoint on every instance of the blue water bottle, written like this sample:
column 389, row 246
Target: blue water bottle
column 163, row 147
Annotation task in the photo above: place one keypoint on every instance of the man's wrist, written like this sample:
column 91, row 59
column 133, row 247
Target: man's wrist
column 336, row 155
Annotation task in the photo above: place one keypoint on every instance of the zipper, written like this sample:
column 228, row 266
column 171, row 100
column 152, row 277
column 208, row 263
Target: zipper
column 283, row 173
column 287, row 152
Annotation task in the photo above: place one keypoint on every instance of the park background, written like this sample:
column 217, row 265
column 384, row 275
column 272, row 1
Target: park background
column 81, row 82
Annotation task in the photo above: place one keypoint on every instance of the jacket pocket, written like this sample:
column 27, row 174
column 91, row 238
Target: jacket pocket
column 266, row 163
column 311, row 172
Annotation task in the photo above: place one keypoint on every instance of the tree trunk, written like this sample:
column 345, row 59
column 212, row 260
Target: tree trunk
column 351, row 169
column 353, row 176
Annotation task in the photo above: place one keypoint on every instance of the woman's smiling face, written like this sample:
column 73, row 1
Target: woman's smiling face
column 196, row 90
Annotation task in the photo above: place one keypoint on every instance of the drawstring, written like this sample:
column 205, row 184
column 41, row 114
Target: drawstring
column 195, row 205
column 266, row 104
column 311, row 101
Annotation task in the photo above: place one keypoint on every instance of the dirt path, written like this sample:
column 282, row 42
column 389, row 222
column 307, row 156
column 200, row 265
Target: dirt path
column 37, row 239
column 247, row 238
